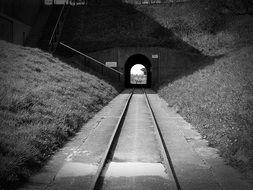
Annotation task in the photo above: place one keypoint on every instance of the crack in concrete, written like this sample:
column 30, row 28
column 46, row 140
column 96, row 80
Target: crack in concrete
column 50, row 184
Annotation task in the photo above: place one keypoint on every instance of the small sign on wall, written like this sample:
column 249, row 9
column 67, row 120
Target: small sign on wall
column 111, row 64
column 155, row 56
column 48, row 2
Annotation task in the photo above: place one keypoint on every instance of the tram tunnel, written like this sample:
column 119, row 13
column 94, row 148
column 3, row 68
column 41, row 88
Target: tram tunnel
column 130, row 63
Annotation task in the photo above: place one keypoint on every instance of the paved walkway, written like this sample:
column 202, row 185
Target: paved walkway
column 197, row 166
column 138, row 161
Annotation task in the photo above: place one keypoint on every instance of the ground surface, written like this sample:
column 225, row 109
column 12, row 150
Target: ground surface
column 137, row 161
column 197, row 166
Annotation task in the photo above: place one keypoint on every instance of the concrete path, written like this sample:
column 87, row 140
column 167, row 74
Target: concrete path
column 197, row 166
column 138, row 160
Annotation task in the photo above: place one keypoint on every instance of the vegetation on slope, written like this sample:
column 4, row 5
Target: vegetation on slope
column 201, row 25
column 43, row 102
column 115, row 24
column 217, row 98
column 218, row 101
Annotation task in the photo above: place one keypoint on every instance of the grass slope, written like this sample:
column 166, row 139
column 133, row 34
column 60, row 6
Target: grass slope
column 203, row 28
column 94, row 28
column 218, row 101
column 218, row 98
column 43, row 102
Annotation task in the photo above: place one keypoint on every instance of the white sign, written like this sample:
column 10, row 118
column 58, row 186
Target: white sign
column 111, row 64
column 155, row 56
column 48, row 2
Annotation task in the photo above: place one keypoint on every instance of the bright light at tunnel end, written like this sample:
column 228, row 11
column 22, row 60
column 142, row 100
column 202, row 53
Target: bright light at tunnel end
column 136, row 69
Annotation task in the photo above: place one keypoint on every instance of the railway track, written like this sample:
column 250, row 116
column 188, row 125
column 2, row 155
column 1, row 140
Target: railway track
column 127, row 148
column 136, row 156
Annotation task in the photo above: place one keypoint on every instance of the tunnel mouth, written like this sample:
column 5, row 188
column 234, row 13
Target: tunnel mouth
column 137, row 59
column 138, row 75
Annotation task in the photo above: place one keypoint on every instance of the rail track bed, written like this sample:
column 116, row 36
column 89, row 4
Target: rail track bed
column 137, row 142
column 136, row 157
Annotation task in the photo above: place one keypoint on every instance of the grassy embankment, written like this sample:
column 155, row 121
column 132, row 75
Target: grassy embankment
column 201, row 27
column 115, row 24
column 43, row 102
column 217, row 99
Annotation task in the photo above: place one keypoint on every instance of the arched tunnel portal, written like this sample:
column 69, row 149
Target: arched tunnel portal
column 133, row 60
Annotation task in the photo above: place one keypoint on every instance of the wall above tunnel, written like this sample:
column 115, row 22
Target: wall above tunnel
column 165, row 63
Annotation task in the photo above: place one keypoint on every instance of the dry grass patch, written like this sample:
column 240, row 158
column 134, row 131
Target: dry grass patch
column 43, row 102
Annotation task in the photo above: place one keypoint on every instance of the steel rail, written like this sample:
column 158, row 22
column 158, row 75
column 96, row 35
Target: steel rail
column 89, row 57
column 110, row 144
column 162, row 141
column 58, row 20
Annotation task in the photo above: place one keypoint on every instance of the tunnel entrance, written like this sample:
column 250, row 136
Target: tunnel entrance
column 138, row 74
column 132, row 78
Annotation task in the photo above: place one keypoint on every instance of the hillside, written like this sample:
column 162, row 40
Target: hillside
column 43, row 102
column 216, row 99
column 209, row 31
column 92, row 28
